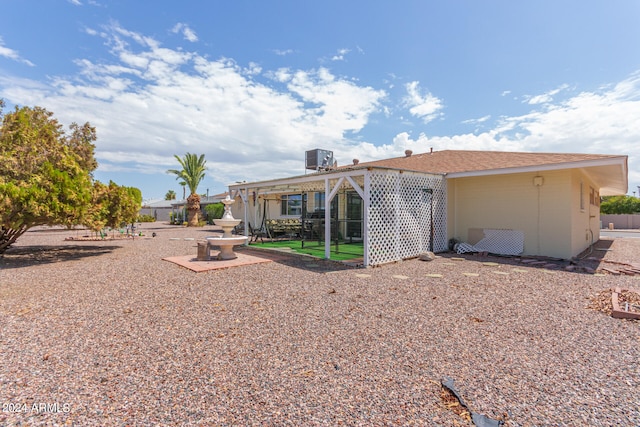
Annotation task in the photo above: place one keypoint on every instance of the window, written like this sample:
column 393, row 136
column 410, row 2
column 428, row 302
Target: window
column 594, row 197
column 319, row 201
column 291, row 205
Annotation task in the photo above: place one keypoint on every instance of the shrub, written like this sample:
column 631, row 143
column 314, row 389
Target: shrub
column 214, row 211
column 145, row 218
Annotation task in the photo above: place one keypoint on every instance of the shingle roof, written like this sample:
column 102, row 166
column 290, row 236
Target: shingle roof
column 608, row 172
column 457, row 161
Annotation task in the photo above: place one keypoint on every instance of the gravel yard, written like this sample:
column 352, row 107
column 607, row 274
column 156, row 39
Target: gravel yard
column 107, row 333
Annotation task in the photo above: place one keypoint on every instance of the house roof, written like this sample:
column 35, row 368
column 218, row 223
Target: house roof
column 609, row 172
column 157, row 204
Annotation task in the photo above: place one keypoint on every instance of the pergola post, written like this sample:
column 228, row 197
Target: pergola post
column 327, row 220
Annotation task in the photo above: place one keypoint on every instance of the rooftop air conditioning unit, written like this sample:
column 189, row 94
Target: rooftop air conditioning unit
column 319, row 159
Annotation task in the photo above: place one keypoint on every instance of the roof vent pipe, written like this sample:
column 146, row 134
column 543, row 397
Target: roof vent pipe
column 431, row 151
column 356, row 161
column 408, row 153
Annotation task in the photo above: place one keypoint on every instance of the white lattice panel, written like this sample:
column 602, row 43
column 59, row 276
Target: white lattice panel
column 497, row 241
column 399, row 215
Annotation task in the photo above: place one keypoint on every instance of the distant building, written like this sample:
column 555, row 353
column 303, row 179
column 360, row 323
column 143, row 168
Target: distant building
column 162, row 209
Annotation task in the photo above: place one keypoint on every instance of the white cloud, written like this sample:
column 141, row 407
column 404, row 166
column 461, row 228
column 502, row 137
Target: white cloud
column 284, row 52
column 339, row 56
column 545, row 97
column 427, row 107
column 477, row 121
column 602, row 122
column 186, row 31
column 13, row 54
column 150, row 102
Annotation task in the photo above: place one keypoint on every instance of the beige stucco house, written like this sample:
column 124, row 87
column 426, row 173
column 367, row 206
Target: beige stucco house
column 526, row 203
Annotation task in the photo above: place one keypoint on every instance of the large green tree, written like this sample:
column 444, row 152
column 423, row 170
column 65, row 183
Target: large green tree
column 45, row 174
column 113, row 206
column 192, row 173
column 46, row 177
column 620, row 205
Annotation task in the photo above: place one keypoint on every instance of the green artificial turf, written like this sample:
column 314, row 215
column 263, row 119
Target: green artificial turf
column 346, row 251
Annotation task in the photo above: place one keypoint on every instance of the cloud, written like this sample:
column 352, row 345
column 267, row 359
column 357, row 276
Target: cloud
column 545, row 97
column 187, row 32
column 477, row 121
column 149, row 102
column 339, row 56
column 427, row 107
column 284, row 52
column 13, row 54
column 601, row 122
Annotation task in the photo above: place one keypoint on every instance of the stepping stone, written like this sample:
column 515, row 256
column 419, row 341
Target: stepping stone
column 189, row 238
column 519, row 270
column 548, row 271
column 503, row 273
column 174, row 238
column 490, row 264
column 363, row 276
column 401, row 277
column 457, row 259
column 433, row 275
column 471, row 274
column 600, row 275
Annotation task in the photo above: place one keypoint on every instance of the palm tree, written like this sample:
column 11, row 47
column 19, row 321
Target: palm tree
column 171, row 195
column 192, row 173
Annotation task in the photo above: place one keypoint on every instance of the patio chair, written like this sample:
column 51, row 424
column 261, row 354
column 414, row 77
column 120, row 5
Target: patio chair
column 256, row 234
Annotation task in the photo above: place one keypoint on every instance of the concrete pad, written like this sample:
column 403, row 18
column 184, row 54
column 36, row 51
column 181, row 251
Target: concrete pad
column 192, row 263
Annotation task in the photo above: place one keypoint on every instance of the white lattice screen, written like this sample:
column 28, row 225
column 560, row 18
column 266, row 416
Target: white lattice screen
column 399, row 217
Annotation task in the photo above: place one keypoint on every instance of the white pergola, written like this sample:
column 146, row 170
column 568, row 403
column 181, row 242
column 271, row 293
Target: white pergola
column 404, row 212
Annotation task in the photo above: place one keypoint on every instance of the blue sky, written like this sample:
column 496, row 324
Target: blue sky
column 254, row 84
